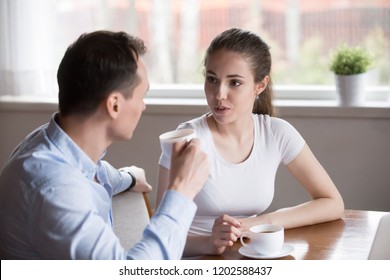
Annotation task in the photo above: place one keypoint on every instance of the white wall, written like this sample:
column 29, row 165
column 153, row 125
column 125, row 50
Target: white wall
column 352, row 144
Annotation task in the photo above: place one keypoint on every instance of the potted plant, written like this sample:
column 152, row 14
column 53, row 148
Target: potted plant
column 350, row 66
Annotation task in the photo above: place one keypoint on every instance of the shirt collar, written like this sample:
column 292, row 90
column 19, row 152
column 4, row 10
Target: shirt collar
column 72, row 152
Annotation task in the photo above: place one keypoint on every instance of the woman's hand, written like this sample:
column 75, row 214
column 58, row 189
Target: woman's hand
column 226, row 230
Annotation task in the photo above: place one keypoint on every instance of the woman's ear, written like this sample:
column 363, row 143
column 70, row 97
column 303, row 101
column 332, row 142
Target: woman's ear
column 259, row 88
column 112, row 104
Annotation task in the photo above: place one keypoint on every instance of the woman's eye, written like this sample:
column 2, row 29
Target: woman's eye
column 235, row 83
column 211, row 80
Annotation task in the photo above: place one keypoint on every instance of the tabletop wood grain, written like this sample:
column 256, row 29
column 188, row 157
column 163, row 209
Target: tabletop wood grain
column 349, row 238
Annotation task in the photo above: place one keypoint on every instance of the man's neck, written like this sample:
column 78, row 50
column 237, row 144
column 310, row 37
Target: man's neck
column 88, row 133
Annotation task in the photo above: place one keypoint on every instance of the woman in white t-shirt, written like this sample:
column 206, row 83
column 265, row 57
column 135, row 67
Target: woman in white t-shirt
column 245, row 145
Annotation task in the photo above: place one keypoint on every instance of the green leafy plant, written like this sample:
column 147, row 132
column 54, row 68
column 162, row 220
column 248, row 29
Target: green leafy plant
column 350, row 60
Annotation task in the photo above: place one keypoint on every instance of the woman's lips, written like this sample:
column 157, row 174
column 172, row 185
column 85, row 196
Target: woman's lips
column 221, row 109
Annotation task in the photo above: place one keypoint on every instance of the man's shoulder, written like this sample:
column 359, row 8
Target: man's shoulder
column 38, row 167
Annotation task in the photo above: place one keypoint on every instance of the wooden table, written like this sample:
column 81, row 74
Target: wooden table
column 349, row 238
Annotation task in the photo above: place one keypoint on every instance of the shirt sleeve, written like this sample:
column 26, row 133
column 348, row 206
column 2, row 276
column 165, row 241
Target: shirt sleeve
column 67, row 226
column 119, row 180
column 288, row 139
column 166, row 235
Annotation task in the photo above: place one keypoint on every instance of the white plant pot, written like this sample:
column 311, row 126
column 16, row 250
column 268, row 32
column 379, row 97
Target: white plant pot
column 351, row 89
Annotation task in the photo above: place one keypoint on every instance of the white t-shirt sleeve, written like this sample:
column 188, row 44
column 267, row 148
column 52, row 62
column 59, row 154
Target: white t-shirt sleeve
column 290, row 142
column 165, row 161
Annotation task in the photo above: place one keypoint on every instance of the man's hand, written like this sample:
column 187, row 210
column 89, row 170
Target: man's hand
column 189, row 168
column 141, row 184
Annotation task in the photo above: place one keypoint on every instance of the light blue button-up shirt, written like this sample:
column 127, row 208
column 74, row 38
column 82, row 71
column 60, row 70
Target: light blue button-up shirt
column 52, row 208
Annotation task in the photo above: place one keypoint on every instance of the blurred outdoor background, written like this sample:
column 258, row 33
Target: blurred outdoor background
column 301, row 33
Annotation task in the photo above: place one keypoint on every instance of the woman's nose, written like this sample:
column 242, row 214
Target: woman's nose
column 221, row 93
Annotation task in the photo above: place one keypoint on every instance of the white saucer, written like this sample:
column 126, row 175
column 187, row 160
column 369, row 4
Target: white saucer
column 247, row 251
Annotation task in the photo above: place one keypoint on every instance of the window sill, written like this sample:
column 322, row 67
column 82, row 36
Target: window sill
column 197, row 106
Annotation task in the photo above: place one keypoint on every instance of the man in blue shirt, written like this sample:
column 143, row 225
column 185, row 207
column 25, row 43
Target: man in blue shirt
column 55, row 191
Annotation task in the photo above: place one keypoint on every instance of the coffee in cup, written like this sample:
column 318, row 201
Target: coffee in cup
column 265, row 239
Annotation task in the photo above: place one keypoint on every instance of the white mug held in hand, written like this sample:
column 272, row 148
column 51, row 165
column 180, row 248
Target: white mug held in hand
column 266, row 239
column 168, row 138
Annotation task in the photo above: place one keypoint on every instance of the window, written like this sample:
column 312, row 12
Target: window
column 301, row 33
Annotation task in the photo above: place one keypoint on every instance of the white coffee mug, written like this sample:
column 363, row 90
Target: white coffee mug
column 265, row 239
column 168, row 138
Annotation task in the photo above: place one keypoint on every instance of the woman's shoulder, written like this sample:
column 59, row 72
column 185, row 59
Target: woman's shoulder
column 288, row 140
column 271, row 122
column 276, row 126
column 196, row 123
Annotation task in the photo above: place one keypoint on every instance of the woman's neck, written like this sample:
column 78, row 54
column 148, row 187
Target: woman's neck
column 234, row 141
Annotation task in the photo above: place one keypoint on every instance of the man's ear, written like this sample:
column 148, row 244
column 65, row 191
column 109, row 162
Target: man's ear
column 112, row 104
column 262, row 85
